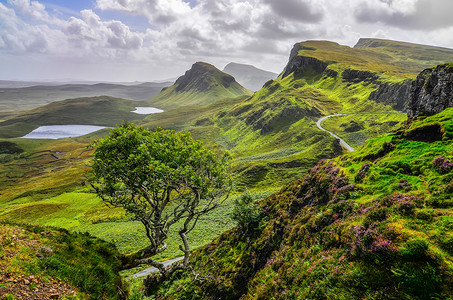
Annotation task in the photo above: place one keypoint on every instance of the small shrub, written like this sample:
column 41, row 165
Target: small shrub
column 245, row 213
column 442, row 164
column 373, row 243
column 403, row 184
column 362, row 172
column 414, row 249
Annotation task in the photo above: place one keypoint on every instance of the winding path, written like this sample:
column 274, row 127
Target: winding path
column 150, row 270
column 342, row 142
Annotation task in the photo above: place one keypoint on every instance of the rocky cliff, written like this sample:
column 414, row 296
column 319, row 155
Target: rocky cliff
column 301, row 64
column 394, row 95
column 431, row 92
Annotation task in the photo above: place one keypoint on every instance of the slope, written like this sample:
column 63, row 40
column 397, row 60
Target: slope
column 50, row 263
column 273, row 135
column 249, row 76
column 374, row 224
column 201, row 85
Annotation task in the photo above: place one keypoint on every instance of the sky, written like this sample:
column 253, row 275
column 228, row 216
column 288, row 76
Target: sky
column 147, row 40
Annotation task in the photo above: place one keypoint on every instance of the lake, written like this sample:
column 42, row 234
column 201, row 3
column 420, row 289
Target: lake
column 61, row 131
column 147, row 110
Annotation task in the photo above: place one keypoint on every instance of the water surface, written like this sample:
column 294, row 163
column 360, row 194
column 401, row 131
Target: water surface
column 147, row 110
column 61, row 131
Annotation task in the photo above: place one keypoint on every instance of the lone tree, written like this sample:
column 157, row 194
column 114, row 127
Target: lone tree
column 160, row 178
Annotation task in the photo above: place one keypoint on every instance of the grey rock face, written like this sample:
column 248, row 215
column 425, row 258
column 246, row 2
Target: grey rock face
column 356, row 76
column 431, row 92
column 394, row 95
column 301, row 64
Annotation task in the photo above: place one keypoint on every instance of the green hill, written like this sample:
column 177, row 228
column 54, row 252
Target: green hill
column 201, row 85
column 38, row 94
column 374, row 224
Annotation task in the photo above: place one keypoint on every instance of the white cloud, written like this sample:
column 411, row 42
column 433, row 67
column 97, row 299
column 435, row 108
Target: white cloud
column 423, row 15
column 91, row 33
column 259, row 32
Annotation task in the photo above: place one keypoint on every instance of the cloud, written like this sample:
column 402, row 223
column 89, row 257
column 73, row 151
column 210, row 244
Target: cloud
column 178, row 33
column 422, row 15
column 90, row 32
column 18, row 37
column 299, row 10
column 158, row 12
column 33, row 10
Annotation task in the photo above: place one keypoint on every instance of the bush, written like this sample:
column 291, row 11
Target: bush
column 414, row 249
column 245, row 213
column 442, row 164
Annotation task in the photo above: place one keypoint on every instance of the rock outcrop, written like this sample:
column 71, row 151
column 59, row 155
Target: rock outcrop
column 356, row 76
column 394, row 95
column 301, row 64
column 431, row 92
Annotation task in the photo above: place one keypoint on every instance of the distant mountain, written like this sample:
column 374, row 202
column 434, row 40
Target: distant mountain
column 201, row 85
column 25, row 98
column 249, row 76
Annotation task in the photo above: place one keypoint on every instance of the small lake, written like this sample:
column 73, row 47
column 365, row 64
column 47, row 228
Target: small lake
column 61, row 131
column 147, row 110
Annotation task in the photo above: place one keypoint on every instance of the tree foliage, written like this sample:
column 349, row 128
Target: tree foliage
column 160, row 178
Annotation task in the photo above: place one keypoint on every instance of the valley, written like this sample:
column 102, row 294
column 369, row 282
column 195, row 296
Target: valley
column 336, row 113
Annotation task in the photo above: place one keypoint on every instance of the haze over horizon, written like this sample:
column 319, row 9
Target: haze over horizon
column 145, row 40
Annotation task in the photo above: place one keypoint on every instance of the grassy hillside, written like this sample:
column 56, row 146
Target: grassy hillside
column 49, row 263
column 103, row 110
column 201, row 85
column 372, row 224
column 411, row 57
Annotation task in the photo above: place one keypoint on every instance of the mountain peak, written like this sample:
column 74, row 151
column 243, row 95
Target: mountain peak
column 202, row 77
column 249, row 76
column 201, row 85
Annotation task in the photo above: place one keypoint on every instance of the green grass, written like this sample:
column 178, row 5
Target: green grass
column 355, row 129
column 271, row 135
